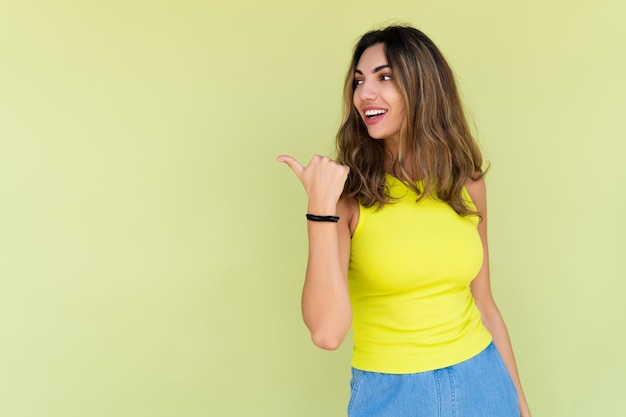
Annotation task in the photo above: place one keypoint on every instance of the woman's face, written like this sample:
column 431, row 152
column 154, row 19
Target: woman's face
column 375, row 96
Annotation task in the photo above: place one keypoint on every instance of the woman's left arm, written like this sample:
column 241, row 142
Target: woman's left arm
column 481, row 290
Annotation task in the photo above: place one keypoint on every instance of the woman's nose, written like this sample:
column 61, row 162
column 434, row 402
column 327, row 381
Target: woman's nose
column 367, row 91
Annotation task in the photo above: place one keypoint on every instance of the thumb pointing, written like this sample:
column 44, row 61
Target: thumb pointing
column 292, row 163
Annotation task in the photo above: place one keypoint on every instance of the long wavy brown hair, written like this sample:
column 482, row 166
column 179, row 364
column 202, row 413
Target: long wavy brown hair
column 435, row 147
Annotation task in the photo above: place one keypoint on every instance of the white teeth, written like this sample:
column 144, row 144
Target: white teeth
column 371, row 113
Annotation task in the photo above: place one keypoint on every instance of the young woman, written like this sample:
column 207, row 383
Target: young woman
column 397, row 232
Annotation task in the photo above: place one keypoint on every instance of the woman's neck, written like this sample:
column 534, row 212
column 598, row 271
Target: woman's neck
column 391, row 155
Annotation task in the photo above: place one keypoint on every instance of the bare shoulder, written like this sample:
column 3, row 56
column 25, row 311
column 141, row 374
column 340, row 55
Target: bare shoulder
column 348, row 209
column 478, row 192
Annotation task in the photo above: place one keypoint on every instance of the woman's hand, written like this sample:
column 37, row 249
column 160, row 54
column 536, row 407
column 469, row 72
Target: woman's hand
column 323, row 179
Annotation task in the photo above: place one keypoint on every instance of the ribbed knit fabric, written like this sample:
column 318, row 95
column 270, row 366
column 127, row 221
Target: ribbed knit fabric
column 410, row 271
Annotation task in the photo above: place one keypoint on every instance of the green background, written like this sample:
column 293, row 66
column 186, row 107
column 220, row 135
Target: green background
column 152, row 251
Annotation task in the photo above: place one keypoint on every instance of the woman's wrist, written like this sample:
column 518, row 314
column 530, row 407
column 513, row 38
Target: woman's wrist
column 322, row 209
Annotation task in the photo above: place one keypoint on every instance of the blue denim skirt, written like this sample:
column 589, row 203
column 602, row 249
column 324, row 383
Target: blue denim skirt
column 478, row 387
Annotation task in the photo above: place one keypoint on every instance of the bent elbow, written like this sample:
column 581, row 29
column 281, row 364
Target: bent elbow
column 326, row 342
column 329, row 334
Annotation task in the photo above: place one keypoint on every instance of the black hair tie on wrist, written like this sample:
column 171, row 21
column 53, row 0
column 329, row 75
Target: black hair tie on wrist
column 316, row 218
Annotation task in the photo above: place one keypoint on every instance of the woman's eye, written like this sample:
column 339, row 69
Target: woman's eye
column 385, row 77
column 358, row 82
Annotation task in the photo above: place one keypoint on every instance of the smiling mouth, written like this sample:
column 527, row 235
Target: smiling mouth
column 370, row 114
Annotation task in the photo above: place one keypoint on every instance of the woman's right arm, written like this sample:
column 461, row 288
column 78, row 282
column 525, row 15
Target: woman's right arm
column 326, row 305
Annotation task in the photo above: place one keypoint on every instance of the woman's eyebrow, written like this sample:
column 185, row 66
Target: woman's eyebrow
column 375, row 70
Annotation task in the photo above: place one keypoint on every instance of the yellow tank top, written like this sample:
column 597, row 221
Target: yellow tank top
column 411, row 266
